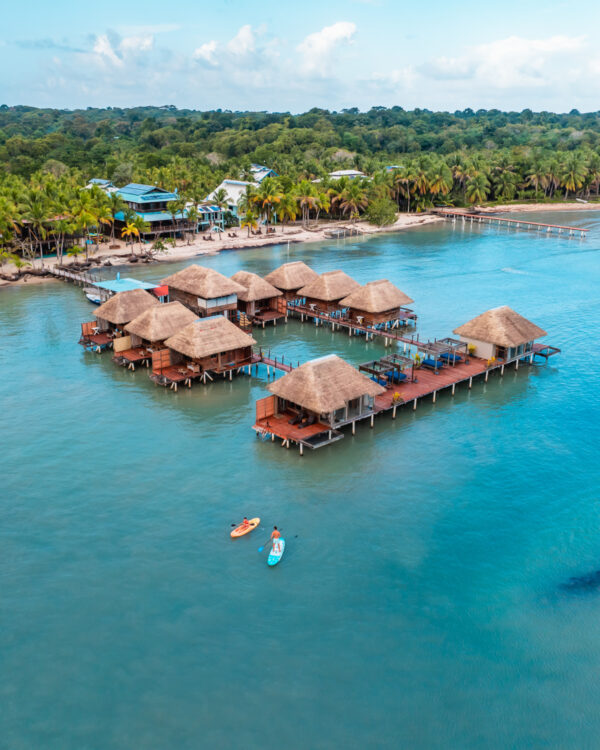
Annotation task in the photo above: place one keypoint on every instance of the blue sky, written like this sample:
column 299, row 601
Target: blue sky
column 283, row 56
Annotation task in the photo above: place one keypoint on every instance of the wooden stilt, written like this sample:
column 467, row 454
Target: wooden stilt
column 372, row 419
column 471, row 382
column 415, row 405
column 453, row 388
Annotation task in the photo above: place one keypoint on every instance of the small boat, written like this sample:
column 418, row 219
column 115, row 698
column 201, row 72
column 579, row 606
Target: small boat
column 241, row 529
column 276, row 552
column 93, row 295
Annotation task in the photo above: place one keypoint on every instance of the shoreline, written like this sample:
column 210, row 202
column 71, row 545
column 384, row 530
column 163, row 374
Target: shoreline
column 199, row 247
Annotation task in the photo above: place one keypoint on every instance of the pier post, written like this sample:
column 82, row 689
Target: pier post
column 372, row 419
column 434, row 395
column 394, row 412
column 487, row 372
column 516, row 364
column 531, row 360
column 453, row 388
column 354, row 428
column 471, row 382
column 415, row 405
column 502, row 370
column 301, row 449
column 268, row 372
column 272, row 437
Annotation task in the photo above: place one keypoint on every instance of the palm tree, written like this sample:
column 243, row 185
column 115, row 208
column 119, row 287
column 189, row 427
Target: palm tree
column 220, row 198
column 572, row 174
column 129, row 231
column 115, row 205
column 505, row 185
column 354, row 198
column 34, row 212
column 249, row 221
column 477, row 189
column 306, row 195
column 192, row 218
column 537, row 176
column 439, row 178
column 267, row 197
column 323, row 204
column 142, row 227
column 287, row 209
column 175, row 207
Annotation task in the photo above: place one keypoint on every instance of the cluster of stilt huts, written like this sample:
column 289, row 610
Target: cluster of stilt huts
column 203, row 330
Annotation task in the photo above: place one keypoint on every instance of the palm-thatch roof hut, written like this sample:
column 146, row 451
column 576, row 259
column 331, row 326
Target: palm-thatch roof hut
column 377, row 302
column 213, row 345
column 328, row 387
column 328, row 289
column 156, row 324
column 290, row 277
column 500, row 333
column 204, row 290
column 123, row 307
column 259, row 298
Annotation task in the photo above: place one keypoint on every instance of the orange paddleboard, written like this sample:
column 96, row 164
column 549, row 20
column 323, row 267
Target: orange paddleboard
column 241, row 529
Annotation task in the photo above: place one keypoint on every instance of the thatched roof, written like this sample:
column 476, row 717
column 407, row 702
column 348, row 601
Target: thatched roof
column 377, row 297
column 208, row 336
column 324, row 385
column 125, row 306
column 291, row 276
column 501, row 326
column 158, row 323
column 255, row 287
column 202, row 282
column 330, row 286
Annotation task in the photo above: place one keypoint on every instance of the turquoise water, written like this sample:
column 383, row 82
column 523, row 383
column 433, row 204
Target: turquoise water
column 418, row 604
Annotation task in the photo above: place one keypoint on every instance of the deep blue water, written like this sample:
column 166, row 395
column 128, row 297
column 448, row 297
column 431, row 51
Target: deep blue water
column 418, row 604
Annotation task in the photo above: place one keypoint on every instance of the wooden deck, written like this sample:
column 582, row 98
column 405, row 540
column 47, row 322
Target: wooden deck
column 96, row 341
column 280, row 427
column 267, row 316
column 130, row 357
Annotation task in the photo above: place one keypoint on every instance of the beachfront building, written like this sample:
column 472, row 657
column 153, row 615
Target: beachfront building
column 260, row 301
column 234, row 190
column 202, row 349
column 150, row 202
column 113, row 315
column 312, row 402
column 378, row 304
column 105, row 185
column 500, row 334
column 204, row 291
column 148, row 331
column 290, row 278
column 349, row 174
column 327, row 291
column 259, row 172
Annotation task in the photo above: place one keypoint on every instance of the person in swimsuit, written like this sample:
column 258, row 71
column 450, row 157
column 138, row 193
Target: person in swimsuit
column 275, row 534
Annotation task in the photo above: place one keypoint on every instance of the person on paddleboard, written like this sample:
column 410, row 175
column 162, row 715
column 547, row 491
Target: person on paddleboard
column 275, row 534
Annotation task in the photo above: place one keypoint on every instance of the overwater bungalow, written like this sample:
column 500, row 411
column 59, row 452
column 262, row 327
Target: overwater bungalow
column 500, row 334
column 311, row 403
column 290, row 277
column 113, row 315
column 326, row 292
column 260, row 301
column 204, row 291
column 147, row 333
column 204, row 348
column 378, row 304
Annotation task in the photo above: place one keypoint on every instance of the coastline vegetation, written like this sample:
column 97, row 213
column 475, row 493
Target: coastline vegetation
column 413, row 161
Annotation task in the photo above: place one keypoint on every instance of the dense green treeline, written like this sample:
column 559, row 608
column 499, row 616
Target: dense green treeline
column 105, row 141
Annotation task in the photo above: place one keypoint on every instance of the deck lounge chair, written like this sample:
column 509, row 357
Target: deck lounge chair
column 433, row 364
column 454, row 358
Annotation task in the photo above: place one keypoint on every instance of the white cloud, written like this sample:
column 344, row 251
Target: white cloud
column 105, row 52
column 316, row 47
column 243, row 42
column 206, row 52
column 510, row 63
column 136, row 43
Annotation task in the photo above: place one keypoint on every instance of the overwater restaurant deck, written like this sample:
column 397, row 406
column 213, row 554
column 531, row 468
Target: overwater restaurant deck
column 325, row 293
column 202, row 349
column 147, row 333
column 378, row 304
column 311, row 403
column 204, row 291
column 290, row 278
column 112, row 315
column 260, row 301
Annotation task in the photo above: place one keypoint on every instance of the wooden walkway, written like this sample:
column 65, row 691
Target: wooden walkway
column 82, row 278
column 517, row 223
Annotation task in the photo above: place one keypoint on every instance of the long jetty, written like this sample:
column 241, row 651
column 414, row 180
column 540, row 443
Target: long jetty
column 536, row 226
column 77, row 277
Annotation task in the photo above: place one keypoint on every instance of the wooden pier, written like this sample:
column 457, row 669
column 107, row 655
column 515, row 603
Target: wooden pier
column 81, row 278
column 536, row 226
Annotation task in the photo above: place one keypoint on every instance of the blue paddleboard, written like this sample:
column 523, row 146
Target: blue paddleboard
column 276, row 552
